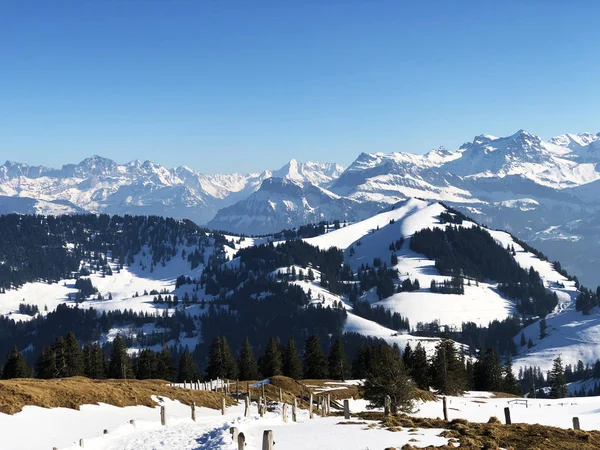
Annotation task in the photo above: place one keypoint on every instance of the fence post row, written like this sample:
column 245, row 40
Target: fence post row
column 241, row 441
column 267, row 443
column 445, row 408
column 294, row 406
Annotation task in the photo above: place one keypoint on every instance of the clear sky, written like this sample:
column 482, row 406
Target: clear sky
column 224, row 85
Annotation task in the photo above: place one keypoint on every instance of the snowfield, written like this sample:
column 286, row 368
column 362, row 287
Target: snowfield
column 211, row 429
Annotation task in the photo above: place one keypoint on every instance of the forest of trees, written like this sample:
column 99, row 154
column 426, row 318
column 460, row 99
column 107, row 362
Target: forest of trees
column 473, row 253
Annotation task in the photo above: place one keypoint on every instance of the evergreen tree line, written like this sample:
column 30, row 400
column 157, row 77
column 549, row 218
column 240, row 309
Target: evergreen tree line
column 51, row 248
column 473, row 252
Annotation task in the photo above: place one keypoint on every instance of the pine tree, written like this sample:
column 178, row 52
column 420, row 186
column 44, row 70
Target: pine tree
column 247, row 366
column 272, row 360
column 164, row 365
column 315, row 366
column 338, row 361
column 542, row 328
column 510, row 383
column 46, row 365
column 407, row 355
column 292, row 364
column 145, row 365
column 73, row 357
column 487, row 372
column 361, row 364
column 556, row 379
column 188, row 370
column 119, row 366
column 448, row 373
column 16, row 366
column 523, row 341
column 221, row 363
column 419, row 367
column 94, row 362
column 388, row 376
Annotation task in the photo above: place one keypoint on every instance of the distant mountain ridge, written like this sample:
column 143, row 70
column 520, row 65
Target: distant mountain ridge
column 542, row 190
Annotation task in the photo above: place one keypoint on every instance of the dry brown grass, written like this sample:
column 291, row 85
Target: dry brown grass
column 494, row 435
column 77, row 391
column 339, row 389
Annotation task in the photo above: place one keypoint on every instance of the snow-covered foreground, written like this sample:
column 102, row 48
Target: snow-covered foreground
column 62, row 428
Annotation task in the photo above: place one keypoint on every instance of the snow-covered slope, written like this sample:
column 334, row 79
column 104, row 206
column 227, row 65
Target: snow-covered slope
column 283, row 203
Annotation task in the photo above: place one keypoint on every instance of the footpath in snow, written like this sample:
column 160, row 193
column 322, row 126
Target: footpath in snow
column 63, row 428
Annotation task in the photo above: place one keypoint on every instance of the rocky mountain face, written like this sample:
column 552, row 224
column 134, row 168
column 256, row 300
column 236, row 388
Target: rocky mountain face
column 545, row 192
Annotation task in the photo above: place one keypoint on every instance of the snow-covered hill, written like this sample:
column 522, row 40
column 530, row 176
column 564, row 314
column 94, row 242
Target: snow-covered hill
column 543, row 191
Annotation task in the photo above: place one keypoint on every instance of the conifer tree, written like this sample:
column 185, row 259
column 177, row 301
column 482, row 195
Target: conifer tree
column 46, row 365
column 448, row 373
column 164, row 365
column 16, row 366
column 188, row 370
column 272, row 360
column 510, row 383
column 315, row 366
column 362, row 362
column 119, row 366
column 542, row 328
column 338, row 361
column 419, row 367
column 487, row 372
column 407, row 355
column 247, row 366
column 145, row 365
column 556, row 379
column 387, row 376
column 73, row 357
column 94, row 362
column 292, row 364
column 221, row 363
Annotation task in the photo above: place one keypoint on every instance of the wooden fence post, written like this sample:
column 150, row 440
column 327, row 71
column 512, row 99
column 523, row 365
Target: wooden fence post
column 346, row 409
column 445, row 408
column 576, row 423
column 328, row 404
column 81, row 444
column 507, row 415
column 223, row 405
column 241, row 441
column 294, row 406
column 285, row 408
column 323, row 407
column 163, row 415
column 132, row 422
column 310, row 407
column 105, row 431
column 387, row 402
column 193, row 411
column 263, row 391
column 267, row 443
column 247, row 410
column 280, row 395
column 234, row 433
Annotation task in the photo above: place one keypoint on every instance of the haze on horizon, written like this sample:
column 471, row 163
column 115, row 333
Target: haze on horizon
column 228, row 87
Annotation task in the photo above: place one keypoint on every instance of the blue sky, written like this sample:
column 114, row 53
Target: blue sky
column 245, row 85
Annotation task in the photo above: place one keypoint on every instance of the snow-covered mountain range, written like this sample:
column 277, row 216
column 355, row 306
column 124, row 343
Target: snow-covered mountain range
column 544, row 191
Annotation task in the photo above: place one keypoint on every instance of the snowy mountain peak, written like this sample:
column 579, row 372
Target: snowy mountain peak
column 312, row 172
